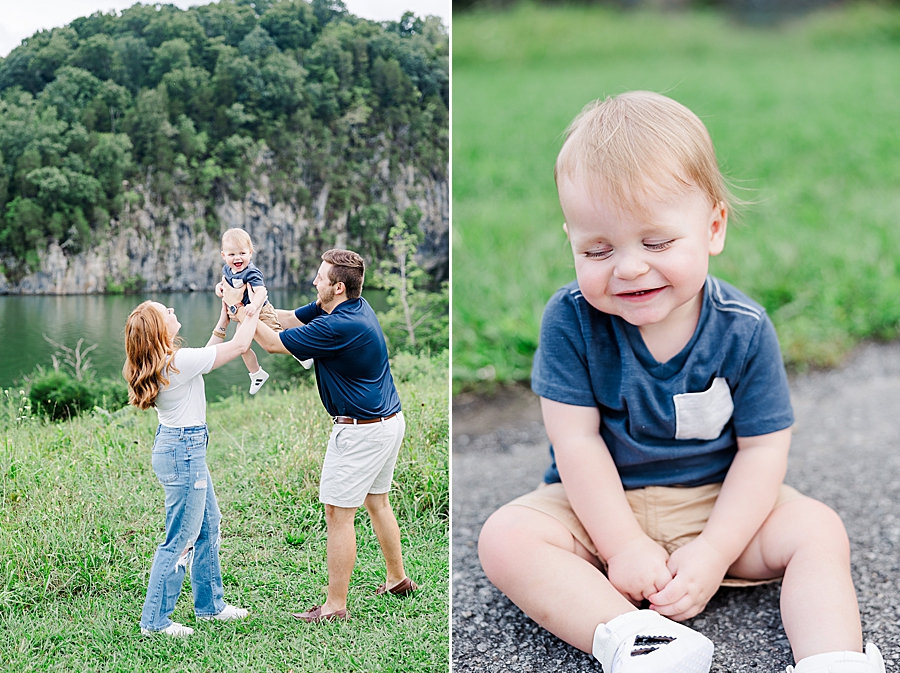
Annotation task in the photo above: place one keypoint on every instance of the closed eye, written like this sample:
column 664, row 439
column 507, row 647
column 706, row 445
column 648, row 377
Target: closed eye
column 598, row 254
column 658, row 247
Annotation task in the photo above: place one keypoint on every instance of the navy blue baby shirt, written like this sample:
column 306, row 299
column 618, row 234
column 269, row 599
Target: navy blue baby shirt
column 673, row 423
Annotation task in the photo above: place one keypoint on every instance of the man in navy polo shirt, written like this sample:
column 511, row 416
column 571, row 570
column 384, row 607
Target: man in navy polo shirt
column 341, row 332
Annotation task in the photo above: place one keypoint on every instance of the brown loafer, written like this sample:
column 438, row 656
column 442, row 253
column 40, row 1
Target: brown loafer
column 403, row 588
column 314, row 615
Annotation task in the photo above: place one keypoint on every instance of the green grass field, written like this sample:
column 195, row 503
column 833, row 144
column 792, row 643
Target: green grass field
column 803, row 117
column 82, row 513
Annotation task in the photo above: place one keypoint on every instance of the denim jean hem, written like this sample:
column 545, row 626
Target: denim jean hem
column 150, row 628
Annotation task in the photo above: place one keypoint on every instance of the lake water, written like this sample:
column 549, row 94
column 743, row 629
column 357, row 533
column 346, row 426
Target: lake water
column 100, row 319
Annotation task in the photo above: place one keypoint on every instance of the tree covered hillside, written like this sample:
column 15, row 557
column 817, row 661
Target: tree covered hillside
column 178, row 107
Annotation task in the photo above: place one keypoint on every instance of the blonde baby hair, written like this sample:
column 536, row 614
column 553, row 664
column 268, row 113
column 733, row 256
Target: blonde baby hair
column 238, row 236
column 641, row 145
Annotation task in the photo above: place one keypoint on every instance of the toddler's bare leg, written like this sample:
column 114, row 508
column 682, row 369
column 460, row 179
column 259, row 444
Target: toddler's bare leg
column 806, row 540
column 251, row 361
column 533, row 559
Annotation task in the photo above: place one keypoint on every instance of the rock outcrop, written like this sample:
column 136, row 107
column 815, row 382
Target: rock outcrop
column 155, row 248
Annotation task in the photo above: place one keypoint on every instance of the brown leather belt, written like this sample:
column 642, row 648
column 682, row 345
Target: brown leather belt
column 347, row 420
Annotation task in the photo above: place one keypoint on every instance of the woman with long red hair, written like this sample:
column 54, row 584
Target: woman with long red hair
column 162, row 374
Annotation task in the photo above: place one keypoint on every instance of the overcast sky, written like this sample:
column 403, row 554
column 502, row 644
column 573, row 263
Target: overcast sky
column 21, row 18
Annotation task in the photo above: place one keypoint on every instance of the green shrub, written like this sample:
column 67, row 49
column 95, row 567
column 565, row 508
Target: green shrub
column 59, row 397
column 109, row 394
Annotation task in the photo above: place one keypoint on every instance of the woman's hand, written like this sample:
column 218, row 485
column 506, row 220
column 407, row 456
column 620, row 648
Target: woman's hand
column 243, row 336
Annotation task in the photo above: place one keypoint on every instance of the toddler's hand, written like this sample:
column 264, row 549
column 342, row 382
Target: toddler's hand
column 697, row 570
column 249, row 310
column 639, row 569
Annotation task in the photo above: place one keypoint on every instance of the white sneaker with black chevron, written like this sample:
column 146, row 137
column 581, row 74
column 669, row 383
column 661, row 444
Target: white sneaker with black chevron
column 841, row 662
column 646, row 642
column 257, row 380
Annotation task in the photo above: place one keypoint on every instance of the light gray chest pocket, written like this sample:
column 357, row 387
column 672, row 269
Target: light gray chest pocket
column 703, row 415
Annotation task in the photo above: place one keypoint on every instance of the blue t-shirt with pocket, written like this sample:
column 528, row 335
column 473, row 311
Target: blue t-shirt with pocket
column 673, row 423
column 250, row 275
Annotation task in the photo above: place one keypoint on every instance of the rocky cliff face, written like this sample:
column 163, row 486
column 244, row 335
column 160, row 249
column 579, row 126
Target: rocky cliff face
column 155, row 248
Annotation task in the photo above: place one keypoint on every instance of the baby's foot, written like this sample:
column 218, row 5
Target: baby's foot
column 644, row 641
column 257, row 380
column 842, row 662
column 306, row 363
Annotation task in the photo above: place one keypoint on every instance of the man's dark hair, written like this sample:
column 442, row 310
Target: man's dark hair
column 347, row 267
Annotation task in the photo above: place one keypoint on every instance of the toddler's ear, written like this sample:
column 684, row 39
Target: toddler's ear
column 566, row 229
column 718, row 224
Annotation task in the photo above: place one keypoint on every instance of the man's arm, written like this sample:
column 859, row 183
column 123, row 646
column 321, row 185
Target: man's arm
column 748, row 495
column 269, row 339
column 287, row 318
column 637, row 564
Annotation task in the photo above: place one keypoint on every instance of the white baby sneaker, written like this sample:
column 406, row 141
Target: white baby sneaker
column 257, row 380
column 228, row 613
column 174, row 629
column 644, row 641
column 842, row 662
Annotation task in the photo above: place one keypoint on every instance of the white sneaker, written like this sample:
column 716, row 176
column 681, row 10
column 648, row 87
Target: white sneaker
column 230, row 612
column 174, row 629
column 842, row 662
column 257, row 380
column 645, row 642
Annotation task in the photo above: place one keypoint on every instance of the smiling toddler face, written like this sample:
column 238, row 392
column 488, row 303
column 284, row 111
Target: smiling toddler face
column 646, row 265
column 236, row 255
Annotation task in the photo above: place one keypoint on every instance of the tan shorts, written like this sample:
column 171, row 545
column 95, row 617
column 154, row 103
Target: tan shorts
column 360, row 460
column 267, row 315
column 670, row 515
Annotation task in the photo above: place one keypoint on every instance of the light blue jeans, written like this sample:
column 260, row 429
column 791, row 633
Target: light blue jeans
column 192, row 528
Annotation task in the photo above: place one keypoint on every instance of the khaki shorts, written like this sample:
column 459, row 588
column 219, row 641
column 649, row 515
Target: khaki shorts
column 670, row 515
column 360, row 460
column 267, row 315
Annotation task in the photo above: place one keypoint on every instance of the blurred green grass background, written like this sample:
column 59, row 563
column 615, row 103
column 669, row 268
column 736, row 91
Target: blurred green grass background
column 804, row 117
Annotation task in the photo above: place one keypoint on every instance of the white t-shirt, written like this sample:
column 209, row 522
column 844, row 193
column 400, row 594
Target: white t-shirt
column 182, row 404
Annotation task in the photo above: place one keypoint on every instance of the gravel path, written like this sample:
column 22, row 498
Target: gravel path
column 844, row 452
